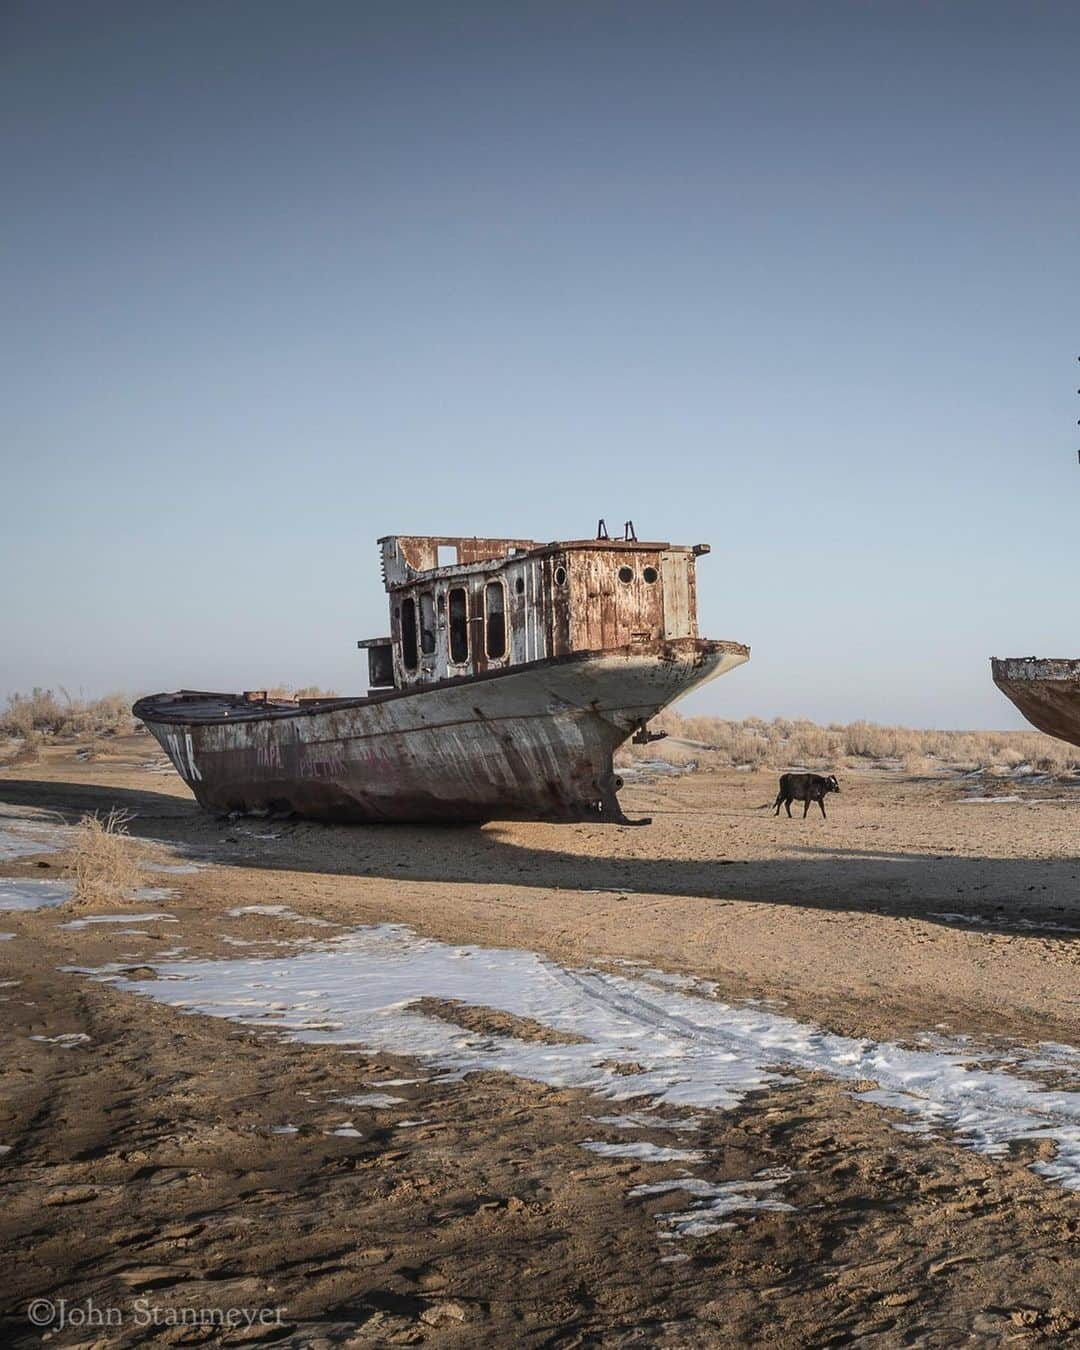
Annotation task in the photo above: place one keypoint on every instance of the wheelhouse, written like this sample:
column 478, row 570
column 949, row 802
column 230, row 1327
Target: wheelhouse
column 460, row 607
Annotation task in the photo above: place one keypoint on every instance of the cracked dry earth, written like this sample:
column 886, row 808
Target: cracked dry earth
column 379, row 1194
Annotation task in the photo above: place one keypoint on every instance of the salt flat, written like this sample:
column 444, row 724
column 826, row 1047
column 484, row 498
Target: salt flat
column 726, row 1078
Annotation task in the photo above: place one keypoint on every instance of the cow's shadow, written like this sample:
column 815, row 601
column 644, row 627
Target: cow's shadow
column 1036, row 897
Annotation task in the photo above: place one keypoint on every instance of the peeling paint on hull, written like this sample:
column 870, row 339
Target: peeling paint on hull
column 1047, row 692
column 533, row 742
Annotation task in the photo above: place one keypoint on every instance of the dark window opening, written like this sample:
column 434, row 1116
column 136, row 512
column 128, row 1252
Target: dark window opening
column 409, row 656
column 496, row 619
column 459, row 625
column 381, row 667
column 427, row 623
column 626, row 575
column 650, row 574
column 519, row 586
column 560, row 576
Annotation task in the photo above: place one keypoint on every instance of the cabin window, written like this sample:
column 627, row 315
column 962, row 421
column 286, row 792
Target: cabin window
column 519, row 586
column 560, row 576
column 495, row 597
column 459, row 625
column 427, row 623
column 650, row 574
column 626, row 575
column 409, row 656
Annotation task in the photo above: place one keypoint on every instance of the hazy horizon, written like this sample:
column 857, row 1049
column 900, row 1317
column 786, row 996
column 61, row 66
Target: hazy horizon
column 799, row 283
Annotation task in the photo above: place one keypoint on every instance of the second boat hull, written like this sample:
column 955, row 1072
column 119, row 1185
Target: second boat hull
column 1047, row 692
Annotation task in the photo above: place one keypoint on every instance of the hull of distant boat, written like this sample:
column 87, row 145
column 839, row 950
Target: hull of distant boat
column 1047, row 692
column 533, row 742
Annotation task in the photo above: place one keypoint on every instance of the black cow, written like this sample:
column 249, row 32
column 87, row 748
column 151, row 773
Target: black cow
column 806, row 788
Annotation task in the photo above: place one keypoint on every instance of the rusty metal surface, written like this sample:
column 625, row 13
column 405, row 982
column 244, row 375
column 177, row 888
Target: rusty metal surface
column 1046, row 691
column 610, row 602
column 583, row 595
column 535, row 743
column 405, row 554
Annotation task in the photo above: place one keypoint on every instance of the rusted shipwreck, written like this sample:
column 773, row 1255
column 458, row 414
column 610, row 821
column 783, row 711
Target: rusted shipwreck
column 513, row 671
column 1046, row 691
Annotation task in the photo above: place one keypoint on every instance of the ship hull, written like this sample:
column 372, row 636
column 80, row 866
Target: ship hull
column 1047, row 692
column 533, row 742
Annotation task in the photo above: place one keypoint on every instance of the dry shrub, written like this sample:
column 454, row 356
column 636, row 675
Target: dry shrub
column 37, row 711
column 106, row 716
column 41, row 711
column 105, row 865
column 29, row 752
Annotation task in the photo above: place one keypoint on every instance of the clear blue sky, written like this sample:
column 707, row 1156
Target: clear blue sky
column 799, row 280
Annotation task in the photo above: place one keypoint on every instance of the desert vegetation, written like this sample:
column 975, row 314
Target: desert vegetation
column 106, row 869
column 44, row 713
column 31, row 721
column 787, row 743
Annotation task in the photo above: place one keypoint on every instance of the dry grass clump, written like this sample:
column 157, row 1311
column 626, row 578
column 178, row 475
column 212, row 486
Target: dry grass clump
column 786, row 742
column 105, row 865
column 28, row 751
column 26, row 713
column 42, row 712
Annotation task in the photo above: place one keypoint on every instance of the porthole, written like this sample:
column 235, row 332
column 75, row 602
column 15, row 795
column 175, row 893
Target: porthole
column 560, row 576
column 650, row 574
column 626, row 575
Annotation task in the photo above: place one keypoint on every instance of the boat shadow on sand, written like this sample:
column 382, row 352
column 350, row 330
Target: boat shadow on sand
column 1021, row 896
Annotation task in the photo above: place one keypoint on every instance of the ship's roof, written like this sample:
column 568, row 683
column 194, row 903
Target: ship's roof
column 408, row 556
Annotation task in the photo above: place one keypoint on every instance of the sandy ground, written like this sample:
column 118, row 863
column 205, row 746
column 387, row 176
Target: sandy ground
column 143, row 1172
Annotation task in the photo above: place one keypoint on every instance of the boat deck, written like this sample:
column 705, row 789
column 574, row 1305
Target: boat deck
column 197, row 705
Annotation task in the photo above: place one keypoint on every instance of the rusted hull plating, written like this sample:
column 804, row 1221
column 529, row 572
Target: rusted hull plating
column 1047, row 692
column 532, row 743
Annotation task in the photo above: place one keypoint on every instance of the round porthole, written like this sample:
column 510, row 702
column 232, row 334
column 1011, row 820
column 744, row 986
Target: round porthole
column 651, row 575
column 626, row 575
column 560, row 576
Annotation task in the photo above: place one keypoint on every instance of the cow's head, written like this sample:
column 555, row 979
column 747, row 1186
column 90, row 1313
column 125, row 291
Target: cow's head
column 831, row 785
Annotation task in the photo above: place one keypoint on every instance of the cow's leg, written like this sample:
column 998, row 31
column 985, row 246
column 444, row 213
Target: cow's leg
column 821, row 803
column 787, row 803
column 805, row 807
column 779, row 799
